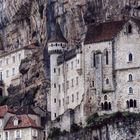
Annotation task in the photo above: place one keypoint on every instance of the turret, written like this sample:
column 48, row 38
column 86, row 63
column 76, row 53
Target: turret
column 57, row 42
column 56, row 45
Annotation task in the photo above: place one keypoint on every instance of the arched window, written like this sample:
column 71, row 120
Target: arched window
column 105, row 106
column 109, row 106
column 107, row 57
column 131, row 103
column 107, row 81
column 135, row 103
column 131, row 90
column 130, row 57
column 130, row 77
column 102, row 105
column 127, row 102
column 105, row 97
column 129, row 28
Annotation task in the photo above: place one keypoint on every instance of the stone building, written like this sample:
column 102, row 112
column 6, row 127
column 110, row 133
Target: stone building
column 9, row 66
column 20, row 125
column 23, row 127
column 101, row 75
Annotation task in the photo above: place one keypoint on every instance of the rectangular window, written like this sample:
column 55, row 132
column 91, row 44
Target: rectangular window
column 77, row 95
column 54, row 85
column 68, row 100
column 18, row 134
column 13, row 59
column 34, row 133
column 6, row 135
column 67, row 84
column 63, row 101
column 71, row 65
column 92, row 83
column 7, row 73
column 54, row 70
column 59, row 71
column 59, row 103
column 0, row 63
column 7, row 61
column 72, row 83
column 59, row 88
column 77, row 80
column 13, row 71
column 72, row 98
column 67, row 67
column 19, row 56
column 63, row 85
column 54, row 100
column 55, row 115
column 1, row 76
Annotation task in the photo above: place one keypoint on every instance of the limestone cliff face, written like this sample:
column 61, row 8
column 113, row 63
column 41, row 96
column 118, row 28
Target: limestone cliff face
column 75, row 15
column 24, row 22
column 34, row 86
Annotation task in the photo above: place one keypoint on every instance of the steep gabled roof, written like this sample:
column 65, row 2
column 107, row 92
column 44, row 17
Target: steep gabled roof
column 4, row 109
column 57, row 35
column 24, row 122
column 103, row 31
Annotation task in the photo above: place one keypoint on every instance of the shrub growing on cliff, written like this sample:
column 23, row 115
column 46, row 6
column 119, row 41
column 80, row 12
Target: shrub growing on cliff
column 92, row 118
column 75, row 127
column 54, row 132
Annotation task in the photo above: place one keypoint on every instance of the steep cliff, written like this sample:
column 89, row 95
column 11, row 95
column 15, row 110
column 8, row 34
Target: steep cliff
column 25, row 22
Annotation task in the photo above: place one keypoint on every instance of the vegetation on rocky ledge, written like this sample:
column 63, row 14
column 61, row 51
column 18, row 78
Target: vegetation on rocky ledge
column 96, row 121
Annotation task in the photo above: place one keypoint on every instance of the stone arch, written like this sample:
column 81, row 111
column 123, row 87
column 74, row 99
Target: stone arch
column 109, row 106
column 131, row 103
column 129, row 28
column 127, row 102
column 130, row 77
column 130, row 57
column 105, row 106
column 135, row 103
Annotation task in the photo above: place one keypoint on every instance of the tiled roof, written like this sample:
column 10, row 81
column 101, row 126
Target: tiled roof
column 103, row 31
column 57, row 35
column 24, row 122
column 4, row 109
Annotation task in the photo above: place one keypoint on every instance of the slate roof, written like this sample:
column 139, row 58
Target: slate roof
column 57, row 35
column 24, row 122
column 103, row 31
column 4, row 109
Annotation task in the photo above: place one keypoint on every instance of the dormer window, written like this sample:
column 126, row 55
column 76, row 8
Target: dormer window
column 15, row 121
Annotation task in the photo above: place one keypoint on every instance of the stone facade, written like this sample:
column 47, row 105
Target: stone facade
column 106, row 66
